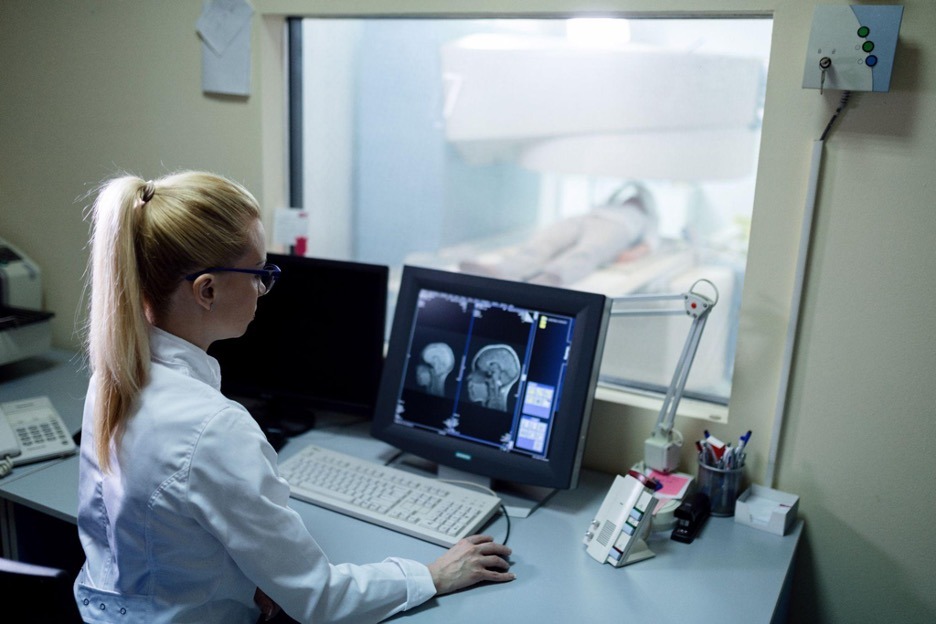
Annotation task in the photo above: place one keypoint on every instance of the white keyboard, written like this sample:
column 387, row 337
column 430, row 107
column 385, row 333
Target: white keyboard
column 423, row 507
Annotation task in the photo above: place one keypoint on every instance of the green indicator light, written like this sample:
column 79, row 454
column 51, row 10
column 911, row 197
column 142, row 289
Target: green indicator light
column 867, row 46
column 864, row 31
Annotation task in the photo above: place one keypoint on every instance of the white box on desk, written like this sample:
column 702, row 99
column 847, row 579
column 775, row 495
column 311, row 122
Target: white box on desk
column 767, row 509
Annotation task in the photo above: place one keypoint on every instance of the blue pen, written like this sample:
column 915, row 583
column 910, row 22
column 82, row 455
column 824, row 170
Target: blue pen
column 740, row 450
column 744, row 441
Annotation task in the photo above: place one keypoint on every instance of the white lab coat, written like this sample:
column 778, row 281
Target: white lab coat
column 193, row 517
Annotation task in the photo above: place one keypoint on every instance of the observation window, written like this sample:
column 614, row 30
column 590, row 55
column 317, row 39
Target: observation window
column 603, row 154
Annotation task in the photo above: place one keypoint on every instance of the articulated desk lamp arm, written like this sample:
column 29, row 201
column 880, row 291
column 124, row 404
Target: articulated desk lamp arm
column 662, row 448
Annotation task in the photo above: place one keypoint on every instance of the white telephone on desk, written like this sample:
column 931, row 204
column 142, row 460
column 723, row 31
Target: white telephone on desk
column 31, row 430
column 618, row 533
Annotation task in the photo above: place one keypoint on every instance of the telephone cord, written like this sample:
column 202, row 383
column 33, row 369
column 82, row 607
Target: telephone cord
column 6, row 465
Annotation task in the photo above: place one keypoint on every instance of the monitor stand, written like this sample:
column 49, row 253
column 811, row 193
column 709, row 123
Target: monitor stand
column 519, row 500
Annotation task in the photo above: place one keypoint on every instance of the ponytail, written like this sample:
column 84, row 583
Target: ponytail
column 118, row 332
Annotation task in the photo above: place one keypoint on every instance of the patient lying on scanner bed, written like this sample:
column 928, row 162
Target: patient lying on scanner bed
column 623, row 228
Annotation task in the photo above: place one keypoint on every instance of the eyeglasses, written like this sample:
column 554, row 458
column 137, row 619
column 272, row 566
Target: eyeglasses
column 268, row 275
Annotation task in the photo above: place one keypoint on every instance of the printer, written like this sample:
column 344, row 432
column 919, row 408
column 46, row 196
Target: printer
column 25, row 330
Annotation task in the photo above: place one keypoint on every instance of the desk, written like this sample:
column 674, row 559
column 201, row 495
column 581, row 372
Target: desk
column 730, row 571
column 62, row 377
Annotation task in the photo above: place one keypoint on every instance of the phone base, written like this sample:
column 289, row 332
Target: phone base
column 638, row 552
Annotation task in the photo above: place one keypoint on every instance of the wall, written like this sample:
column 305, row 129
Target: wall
column 92, row 86
column 97, row 87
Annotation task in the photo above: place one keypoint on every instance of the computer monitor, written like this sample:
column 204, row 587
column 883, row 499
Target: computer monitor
column 316, row 343
column 492, row 378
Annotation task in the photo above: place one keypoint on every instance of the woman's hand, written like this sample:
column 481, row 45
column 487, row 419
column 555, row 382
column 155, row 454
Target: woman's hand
column 472, row 560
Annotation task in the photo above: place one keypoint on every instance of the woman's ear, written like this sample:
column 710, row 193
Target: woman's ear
column 203, row 288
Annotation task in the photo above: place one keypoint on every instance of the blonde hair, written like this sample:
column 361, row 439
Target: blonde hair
column 146, row 237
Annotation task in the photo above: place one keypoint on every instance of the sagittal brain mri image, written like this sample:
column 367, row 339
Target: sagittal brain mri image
column 494, row 371
column 438, row 360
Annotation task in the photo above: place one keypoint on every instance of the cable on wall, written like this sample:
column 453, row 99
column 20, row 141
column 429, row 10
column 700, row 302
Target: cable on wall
column 799, row 278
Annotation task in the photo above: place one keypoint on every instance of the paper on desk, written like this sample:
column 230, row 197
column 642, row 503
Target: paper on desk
column 675, row 484
column 761, row 509
column 224, row 27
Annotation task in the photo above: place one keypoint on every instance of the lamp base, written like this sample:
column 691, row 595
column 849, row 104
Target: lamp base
column 661, row 451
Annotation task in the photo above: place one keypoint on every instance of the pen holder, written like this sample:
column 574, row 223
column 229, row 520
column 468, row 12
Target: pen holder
column 722, row 486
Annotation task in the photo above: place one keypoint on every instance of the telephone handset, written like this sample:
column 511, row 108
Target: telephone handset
column 31, row 430
column 617, row 534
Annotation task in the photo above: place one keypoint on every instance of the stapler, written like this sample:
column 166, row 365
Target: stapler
column 690, row 516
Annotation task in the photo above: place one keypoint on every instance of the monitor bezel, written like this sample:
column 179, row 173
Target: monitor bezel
column 590, row 311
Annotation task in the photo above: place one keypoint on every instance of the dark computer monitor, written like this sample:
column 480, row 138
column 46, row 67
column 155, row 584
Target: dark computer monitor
column 315, row 344
column 491, row 377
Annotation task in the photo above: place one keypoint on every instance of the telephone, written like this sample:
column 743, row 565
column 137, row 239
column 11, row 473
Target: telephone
column 31, row 430
column 618, row 533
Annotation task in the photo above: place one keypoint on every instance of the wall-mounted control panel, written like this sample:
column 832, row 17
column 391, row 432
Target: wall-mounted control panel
column 851, row 48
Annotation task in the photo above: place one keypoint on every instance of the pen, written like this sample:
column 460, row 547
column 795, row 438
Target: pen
column 703, row 452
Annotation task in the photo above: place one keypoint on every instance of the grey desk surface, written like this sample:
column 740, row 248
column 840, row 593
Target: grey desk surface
column 61, row 376
column 731, row 571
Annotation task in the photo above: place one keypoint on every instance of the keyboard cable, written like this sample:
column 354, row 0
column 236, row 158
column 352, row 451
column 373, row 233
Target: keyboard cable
column 478, row 486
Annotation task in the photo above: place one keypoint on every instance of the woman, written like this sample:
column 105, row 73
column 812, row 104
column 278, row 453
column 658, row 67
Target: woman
column 182, row 514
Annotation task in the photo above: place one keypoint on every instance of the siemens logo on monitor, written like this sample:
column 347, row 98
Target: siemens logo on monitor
column 464, row 456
